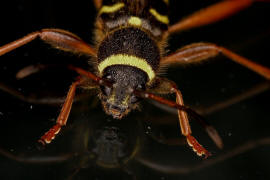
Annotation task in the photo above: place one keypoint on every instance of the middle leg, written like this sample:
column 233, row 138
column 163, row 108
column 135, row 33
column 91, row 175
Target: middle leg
column 168, row 87
column 197, row 52
column 185, row 126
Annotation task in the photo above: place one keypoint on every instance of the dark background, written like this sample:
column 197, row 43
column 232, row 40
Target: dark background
column 22, row 123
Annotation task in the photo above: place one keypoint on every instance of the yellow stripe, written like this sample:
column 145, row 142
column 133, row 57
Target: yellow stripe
column 135, row 21
column 111, row 9
column 122, row 59
column 162, row 18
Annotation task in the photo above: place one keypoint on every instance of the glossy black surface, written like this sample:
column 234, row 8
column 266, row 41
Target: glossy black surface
column 22, row 123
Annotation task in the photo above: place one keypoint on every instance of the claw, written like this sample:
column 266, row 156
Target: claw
column 199, row 149
column 50, row 135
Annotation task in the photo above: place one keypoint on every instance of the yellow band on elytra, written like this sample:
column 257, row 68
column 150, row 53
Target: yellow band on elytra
column 111, row 9
column 162, row 18
column 123, row 59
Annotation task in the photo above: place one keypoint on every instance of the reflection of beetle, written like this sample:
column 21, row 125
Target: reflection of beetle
column 120, row 149
column 111, row 145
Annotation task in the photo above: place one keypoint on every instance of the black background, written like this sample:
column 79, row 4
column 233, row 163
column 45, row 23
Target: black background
column 22, row 123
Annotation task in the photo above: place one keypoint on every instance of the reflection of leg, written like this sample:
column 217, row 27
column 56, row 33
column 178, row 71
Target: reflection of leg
column 29, row 99
column 36, row 159
column 259, row 88
column 238, row 98
column 174, row 169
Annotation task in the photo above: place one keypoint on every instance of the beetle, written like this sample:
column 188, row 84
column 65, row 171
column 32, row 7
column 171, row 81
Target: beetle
column 129, row 54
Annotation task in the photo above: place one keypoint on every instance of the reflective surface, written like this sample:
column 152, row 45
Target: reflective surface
column 147, row 155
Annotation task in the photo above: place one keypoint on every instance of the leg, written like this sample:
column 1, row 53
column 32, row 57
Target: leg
column 202, row 51
column 183, row 119
column 58, row 38
column 211, row 14
column 63, row 116
column 164, row 86
column 185, row 127
column 98, row 4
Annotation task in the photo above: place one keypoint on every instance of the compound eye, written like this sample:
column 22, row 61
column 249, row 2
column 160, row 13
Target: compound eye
column 106, row 90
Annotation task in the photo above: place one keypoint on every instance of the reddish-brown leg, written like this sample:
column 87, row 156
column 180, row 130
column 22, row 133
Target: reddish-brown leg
column 63, row 116
column 202, row 51
column 164, row 86
column 182, row 115
column 58, row 38
column 211, row 14
column 98, row 4
column 185, row 127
